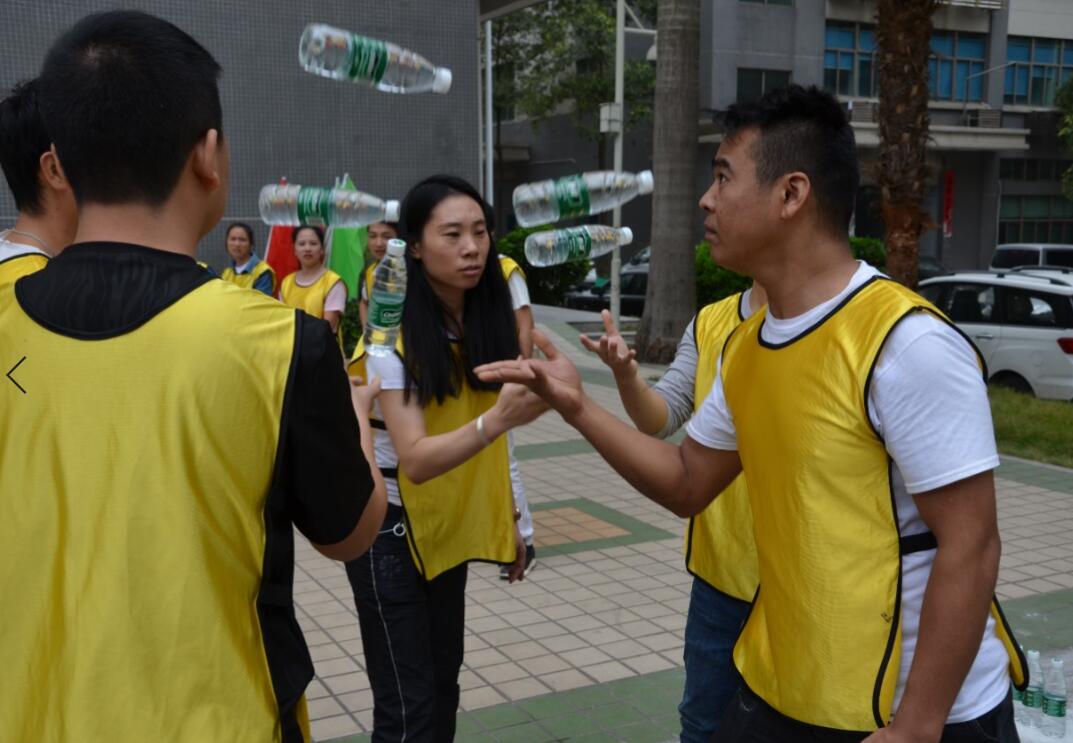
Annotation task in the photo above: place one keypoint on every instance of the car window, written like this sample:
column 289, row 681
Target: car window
column 634, row 283
column 932, row 292
column 1059, row 258
column 1010, row 257
column 970, row 303
column 1034, row 309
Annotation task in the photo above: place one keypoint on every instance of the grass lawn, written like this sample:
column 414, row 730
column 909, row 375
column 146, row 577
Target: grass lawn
column 1033, row 429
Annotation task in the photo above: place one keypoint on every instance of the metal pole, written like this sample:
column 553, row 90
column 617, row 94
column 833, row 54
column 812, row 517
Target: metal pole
column 620, row 70
column 489, row 119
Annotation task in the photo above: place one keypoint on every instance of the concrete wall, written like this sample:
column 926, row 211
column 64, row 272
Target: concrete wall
column 1047, row 18
column 281, row 120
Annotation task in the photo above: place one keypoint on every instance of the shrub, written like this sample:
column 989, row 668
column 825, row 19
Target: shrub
column 546, row 285
column 351, row 325
column 870, row 250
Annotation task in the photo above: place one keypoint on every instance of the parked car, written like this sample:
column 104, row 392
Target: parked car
column 1021, row 320
column 1032, row 254
column 597, row 296
column 928, row 267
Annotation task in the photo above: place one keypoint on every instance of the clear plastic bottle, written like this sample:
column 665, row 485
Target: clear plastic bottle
column 342, row 55
column 1053, row 722
column 387, row 300
column 289, row 204
column 1034, row 693
column 1018, row 704
column 574, row 243
column 543, row 202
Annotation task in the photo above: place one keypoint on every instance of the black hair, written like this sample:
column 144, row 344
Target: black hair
column 125, row 97
column 240, row 226
column 488, row 332
column 392, row 225
column 23, row 139
column 806, row 130
column 318, row 230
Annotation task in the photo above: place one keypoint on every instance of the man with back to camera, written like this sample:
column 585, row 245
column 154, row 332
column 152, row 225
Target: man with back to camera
column 860, row 417
column 47, row 213
column 152, row 473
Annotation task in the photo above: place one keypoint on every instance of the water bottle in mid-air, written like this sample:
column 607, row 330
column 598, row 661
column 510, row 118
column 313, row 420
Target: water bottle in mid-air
column 577, row 195
column 386, row 302
column 574, row 244
column 342, row 55
column 289, row 204
column 1034, row 693
column 1053, row 722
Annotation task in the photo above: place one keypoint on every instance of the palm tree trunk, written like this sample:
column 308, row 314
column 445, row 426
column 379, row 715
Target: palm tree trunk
column 903, row 40
column 670, row 300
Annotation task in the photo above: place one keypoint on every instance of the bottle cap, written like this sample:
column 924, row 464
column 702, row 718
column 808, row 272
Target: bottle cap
column 645, row 184
column 391, row 211
column 626, row 236
column 396, row 248
column 442, row 83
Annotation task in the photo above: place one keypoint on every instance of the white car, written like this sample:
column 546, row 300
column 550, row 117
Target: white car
column 1021, row 320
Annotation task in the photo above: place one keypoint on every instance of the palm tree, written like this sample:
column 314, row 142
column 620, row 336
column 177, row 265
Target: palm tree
column 903, row 38
column 670, row 301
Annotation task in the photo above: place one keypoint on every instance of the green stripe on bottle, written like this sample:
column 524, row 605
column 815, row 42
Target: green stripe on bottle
column 578, row 241
column 314, row 206
column 368, row 59
column 572, row 196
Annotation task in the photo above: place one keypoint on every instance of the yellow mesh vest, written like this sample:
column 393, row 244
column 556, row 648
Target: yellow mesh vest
column 466, row 513
column 18, row 266
column 822, row 643
column 248, row 279
column 719, row 544
column 134, row 501
column 509, row 266
column 310, row 298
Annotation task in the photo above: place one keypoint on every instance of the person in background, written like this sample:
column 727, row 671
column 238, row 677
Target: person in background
column 48, row 215
column 317, row 290
column 440, row 444
column 148, row 559
column 379, row 234
column 246, row 269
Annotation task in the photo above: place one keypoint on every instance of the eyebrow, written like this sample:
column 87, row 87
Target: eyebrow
column 459, row 225
column 721, row 162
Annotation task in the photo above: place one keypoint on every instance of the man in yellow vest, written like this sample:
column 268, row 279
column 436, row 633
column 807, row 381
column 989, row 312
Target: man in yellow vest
column 47, row 213
column 163, row 433
column 860, row 417
column 719, row 547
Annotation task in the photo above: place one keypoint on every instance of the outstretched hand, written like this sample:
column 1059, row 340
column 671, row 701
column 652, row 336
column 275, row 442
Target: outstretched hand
column 555, row 378
column 612, row 349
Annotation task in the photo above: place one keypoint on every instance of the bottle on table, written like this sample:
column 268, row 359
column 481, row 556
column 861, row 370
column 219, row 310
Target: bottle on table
column 548, row 201
column 290, row 204
column 1053, row 720
column 342, row 55
column 574, row 243
column 386, row 301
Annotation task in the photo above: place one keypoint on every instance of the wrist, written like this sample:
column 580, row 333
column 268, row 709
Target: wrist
column 490, row 426
column 916, row 731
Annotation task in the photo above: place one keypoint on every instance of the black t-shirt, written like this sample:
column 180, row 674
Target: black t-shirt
column 101, row 290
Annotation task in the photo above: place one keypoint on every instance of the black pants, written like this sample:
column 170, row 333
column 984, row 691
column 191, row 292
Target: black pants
column 412, row 633
column 749, row 719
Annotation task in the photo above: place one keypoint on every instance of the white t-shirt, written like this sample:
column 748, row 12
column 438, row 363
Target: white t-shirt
column 335, row 301
column 929, row 402
column 392, row 377
column 9, row 249
column 519, row 291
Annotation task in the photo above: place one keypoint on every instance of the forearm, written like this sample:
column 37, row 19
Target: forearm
column 646, row 408
column 523, row 318
column 363, row 313
column 952, row 621
column 431, row 456
column 332, row 317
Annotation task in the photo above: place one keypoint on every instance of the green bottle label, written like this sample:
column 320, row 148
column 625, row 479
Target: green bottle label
column 1033, row 697
column 572, row 195
column 314, row 206
column 1054, row 707
column 385, row 310
column 577, row 241
column 1018, row 695
column 368, row 59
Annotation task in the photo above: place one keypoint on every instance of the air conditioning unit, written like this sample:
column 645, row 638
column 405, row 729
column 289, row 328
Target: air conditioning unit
column 985, row 119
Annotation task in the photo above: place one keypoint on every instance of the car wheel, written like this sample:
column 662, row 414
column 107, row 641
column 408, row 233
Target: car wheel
column 1013, row 381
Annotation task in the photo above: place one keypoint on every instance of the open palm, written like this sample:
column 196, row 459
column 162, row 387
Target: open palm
column 555, row 378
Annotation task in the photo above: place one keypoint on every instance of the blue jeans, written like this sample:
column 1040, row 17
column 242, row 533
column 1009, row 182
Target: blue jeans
column 712, row 628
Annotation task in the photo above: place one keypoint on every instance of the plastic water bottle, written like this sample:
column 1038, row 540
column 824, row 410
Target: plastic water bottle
column 289, row 204
column 1018, row 704
column 1053, row 722
column 386, row 302
column 577, row 195
column 1034, row 692
column 574, row 244
column 342, row 55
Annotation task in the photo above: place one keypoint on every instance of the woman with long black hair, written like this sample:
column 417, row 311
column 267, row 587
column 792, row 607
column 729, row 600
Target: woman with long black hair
column 443, row 454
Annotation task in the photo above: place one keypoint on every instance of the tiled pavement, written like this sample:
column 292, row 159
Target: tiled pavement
column 589, row 648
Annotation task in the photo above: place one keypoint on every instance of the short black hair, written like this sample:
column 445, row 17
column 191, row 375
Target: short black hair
column 319, row 231
column 806, row 130
column 240, row 226
column 23, row 139
column 125, row 97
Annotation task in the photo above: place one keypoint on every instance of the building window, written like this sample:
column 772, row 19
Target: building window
column 770, row 2
column 1040, row 67
column 1041, row 219
column 849, row 60
column 955, row 70
column 1033, row 169
column 752, row 84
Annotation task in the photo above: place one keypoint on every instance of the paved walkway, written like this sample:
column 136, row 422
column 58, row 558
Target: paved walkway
column 589, row 648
